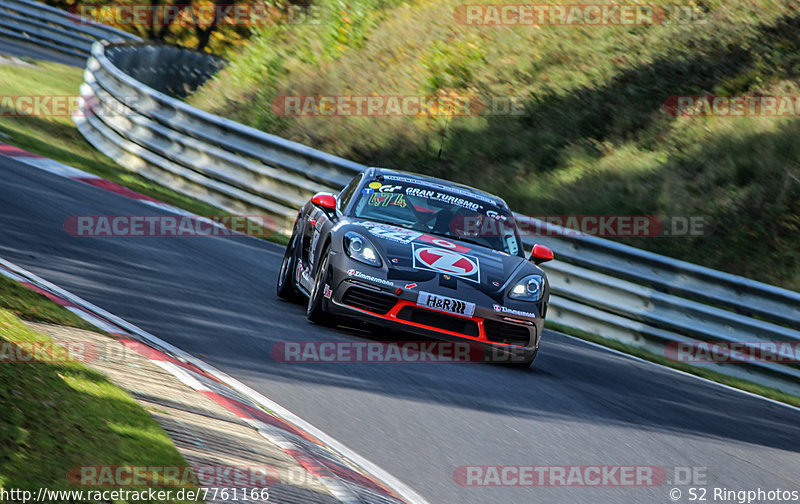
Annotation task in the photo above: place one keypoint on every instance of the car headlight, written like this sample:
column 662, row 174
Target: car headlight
column 359, row 248
column 530, row 288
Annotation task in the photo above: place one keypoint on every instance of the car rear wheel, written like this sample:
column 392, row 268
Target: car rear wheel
column 286, row 287
column 317, row 303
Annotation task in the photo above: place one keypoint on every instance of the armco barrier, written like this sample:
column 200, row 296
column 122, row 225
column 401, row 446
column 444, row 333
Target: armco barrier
column 53, row 28
column 229, row 165
column 606, row 288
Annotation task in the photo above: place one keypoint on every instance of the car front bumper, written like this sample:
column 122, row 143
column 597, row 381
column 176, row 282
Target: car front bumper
column 364, row 293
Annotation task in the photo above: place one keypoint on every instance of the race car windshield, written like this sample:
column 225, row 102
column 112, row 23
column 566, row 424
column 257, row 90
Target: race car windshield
column 440, row 211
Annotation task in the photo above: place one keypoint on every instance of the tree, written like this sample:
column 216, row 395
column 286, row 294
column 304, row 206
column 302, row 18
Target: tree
column 206, row 25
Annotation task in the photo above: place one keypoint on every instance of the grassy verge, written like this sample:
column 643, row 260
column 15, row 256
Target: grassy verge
column 56, row 417
column 593, row 135
column 29, row 305
column 708, row 374
column 57, row 138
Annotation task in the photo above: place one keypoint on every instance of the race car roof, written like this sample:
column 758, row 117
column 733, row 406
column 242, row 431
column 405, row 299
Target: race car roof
column 377, row 172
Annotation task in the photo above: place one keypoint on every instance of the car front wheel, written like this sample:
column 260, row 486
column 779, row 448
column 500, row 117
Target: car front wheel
column 317, row 310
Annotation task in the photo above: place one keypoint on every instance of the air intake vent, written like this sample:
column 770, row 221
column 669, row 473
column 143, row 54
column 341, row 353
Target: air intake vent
column 371, row 301
column 510, row 334
column 439, row 320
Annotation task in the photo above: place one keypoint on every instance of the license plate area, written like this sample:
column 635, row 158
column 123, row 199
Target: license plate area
column 445, row 304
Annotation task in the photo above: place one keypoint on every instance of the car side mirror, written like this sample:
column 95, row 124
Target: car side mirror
column 325, row 202
column 541, row 254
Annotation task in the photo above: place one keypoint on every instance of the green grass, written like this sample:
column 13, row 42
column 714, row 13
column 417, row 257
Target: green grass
column 29, row 305
column 55, row 417
column 58, row 416
column 57, row 138
column 708, row 374
column 594, row 137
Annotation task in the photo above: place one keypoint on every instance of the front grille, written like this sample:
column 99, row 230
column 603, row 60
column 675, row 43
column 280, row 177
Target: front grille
column 438, row 320
column 511, row 334
column 365, row 299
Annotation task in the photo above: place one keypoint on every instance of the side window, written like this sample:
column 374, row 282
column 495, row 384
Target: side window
column 347, row 193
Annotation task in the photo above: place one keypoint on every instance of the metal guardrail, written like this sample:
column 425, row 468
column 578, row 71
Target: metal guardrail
column 232, row 166
column 599, row 286
column 53, row 28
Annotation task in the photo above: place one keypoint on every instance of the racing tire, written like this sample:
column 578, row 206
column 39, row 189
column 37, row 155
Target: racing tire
column 286, row 287
column 317, row 311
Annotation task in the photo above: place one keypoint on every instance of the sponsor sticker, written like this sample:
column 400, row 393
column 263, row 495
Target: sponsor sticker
column 496, row 216
column 441, row 196
column 327, row 292
column 392, row 233
column 445, row 304
column 450, row 189
column 441, row 242
column 314, row 239
column 447, row 261
column 380, row 199
column 305, row 280
column 502, row 309
column 363, row 276
column 511, row 243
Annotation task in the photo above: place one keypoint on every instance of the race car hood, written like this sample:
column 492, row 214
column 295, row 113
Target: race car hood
column 420, row 258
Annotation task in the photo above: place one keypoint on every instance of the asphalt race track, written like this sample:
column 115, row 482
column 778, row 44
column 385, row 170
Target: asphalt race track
column 579, row 405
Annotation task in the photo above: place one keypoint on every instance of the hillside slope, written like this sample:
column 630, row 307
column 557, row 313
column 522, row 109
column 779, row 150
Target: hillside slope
column 593, row 136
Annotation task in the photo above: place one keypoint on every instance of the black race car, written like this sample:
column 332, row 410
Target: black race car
column 423, row 255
